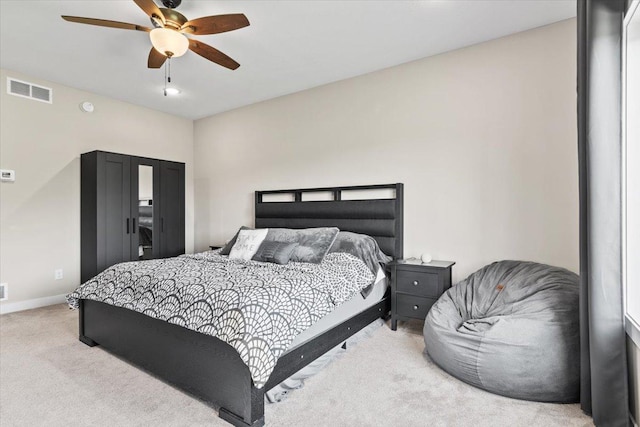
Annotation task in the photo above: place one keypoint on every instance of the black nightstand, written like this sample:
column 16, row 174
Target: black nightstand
column 415, row 287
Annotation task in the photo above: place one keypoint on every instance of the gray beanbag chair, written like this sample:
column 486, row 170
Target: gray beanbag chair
column 510, row 328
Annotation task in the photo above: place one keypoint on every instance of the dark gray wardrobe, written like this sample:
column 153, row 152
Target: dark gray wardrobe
column 132, row 208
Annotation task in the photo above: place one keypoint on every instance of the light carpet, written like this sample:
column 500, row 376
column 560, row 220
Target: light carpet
column 49, row 378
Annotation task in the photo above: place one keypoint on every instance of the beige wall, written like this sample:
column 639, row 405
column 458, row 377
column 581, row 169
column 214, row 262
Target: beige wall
column 484, row 139
column 40, row 212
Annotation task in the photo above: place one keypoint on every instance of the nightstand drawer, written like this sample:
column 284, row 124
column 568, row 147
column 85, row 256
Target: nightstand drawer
column 412, row 306
column 419, row 283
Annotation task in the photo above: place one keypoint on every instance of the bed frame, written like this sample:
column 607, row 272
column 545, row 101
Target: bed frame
column 211, row 369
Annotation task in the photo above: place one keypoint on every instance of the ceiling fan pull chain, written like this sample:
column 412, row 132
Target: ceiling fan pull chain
column 165, row 79
column 169, row 75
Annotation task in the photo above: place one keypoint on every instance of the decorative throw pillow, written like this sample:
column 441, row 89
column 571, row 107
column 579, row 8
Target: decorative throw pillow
column 226, row 249
column 313, row 243
column 275, row 252
column 247, row 243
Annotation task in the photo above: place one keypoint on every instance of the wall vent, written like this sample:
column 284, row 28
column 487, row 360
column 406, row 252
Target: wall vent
column 29, row 90
column 4, row 292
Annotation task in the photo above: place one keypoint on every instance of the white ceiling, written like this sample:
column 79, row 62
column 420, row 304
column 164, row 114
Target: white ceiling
column 289, row 46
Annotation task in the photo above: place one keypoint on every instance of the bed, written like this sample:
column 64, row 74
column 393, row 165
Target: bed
column 208, row 367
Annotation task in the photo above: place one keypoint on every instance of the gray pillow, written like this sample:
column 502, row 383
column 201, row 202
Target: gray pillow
column 226, row 249
column 275, row 252
column 361, row 246
column 313, row 243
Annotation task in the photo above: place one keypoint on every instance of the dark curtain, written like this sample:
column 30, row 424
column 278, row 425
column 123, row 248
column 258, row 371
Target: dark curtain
column 604, row 387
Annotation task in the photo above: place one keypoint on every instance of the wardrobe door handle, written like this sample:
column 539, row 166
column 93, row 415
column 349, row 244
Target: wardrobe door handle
column 162, row 225
column 127, row 225
column 133, row 229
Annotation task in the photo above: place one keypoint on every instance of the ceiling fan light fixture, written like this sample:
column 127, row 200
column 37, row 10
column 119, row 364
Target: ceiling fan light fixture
column 169, row 42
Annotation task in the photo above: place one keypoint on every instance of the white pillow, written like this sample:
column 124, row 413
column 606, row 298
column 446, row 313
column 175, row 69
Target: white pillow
column 247, row 243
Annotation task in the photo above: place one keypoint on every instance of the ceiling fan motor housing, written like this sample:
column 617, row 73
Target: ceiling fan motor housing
column 171, row 4
column 173, row 19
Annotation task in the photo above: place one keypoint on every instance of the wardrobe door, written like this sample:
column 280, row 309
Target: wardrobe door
column 172, row 206
column 113, row 210
column 145, row 193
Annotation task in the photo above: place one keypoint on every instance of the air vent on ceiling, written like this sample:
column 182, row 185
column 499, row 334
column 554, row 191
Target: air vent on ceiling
column 29, row 90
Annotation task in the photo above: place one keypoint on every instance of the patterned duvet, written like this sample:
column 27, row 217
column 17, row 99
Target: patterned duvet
column 258, row 308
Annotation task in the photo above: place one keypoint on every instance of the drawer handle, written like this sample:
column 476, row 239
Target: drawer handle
column 415, row 307
column 415, row 283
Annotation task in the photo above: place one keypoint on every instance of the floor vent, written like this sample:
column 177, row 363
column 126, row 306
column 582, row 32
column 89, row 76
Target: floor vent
column 29, row 90
column 3, row 292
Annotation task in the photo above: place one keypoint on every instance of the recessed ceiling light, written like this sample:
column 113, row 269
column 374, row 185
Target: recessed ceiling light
column 172, row 91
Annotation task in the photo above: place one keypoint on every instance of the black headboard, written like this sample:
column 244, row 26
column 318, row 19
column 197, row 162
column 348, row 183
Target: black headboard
column 381, row 219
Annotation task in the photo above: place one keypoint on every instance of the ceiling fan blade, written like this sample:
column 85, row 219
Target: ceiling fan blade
column 215, row 24
column 151, row 9
column 212, row 54
column 156, row 59
column 105, row 23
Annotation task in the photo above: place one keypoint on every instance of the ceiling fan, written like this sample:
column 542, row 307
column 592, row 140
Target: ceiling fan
column 168, row 35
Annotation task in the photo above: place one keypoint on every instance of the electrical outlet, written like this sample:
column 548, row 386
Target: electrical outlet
column 4, row 291
column 57, row 274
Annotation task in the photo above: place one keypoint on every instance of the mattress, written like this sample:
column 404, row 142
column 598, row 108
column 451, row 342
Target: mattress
column 344, row 311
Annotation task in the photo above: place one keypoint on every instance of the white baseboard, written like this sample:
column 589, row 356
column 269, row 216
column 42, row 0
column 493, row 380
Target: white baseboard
column 32, row 303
